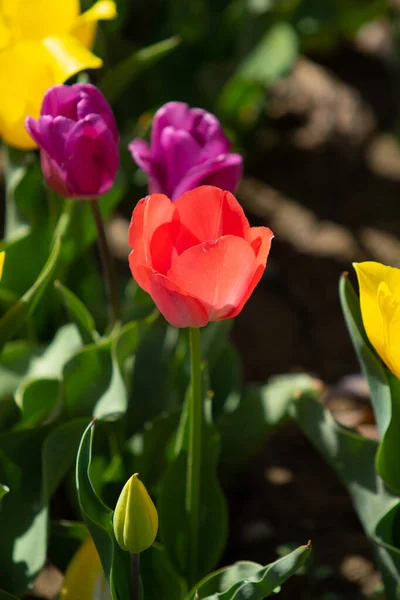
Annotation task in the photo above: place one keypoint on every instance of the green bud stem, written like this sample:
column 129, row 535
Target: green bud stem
column 135, row 577
column 107, row 263
column 195, row 417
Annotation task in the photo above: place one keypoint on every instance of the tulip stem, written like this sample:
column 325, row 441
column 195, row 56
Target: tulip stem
column 135, row 577
column 195, row 416
column 107, row 263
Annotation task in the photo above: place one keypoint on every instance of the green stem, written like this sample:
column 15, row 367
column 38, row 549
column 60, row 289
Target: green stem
column 195, row 416
column 53, row 205
column 107, row 263
column 135, row 577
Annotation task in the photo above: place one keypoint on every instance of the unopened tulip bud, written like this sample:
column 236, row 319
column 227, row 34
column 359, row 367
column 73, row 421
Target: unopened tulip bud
column 135, row 517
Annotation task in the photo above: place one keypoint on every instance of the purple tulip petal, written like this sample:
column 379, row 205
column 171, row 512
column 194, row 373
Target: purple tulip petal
column 182, row 153
column 32, row 127
column 92, row 158
column 224, row 173
column 54, row 175
column 92, row 101
column 142, row 156
column 207, row 130
column 60, row 100
column 172, row 114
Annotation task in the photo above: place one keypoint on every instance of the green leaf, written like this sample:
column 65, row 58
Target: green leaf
column 136, row 303
column 353, row 458
column 37, row 400
column 147, row 451
column 78, row 313
column 65, row 539
column 58, row 454
column 86, row 377
column 33, row 462
column 3, row 491
column 7, row 596
column 226, row 379
column 272, row 57
column 150, row 393
column 23, row 539
column 115, row 399
column 386, row 403
column 158, row 576
column 121, row 75
column 98, row 518
column 250, row 581
column 16, row 315
column 15, row 363
column 213, row 519
column 263, row 409
column 24, row 192
column 65, row 343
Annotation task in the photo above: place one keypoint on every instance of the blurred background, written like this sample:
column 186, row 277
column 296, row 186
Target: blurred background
column 309, row 93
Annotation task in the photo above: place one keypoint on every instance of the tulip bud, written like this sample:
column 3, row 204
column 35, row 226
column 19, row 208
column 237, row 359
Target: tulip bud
column 135, row 517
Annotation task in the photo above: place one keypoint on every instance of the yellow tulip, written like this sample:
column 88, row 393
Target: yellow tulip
column 135, row 517
column 42, row 43
column 84, row 578
column 380, row 309
column 2, row 257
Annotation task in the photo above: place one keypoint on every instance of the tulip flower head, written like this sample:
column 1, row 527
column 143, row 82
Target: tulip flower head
column 78, row 140
column 188, row 149
column 380, row 309
column 197, row 257
column 135, row 517
column 42, row 43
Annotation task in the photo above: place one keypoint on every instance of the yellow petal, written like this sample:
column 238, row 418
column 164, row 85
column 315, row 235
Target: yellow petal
column 5, row 32
column 69, row 57
column 9, row 9
column 27, row 70
column 84, row 578
column 389, row 305
column 25, row 74
column 2, row 257
column 37, row 19
column 380, row 309
column 84, row 28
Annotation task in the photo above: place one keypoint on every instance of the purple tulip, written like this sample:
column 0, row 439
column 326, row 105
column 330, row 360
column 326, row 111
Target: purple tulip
column 78, row 140
column 188, row 148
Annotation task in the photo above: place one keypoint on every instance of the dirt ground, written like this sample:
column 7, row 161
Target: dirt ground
column 325, row 176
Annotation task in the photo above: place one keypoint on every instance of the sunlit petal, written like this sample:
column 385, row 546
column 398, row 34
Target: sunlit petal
column 37, row 19
column 84, row 27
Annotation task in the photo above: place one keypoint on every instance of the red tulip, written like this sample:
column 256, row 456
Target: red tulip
column 197, row 257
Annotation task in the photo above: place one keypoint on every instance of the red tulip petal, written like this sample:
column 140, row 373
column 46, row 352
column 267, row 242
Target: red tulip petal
column 148, row 215
column 217, row 273
column 260, row 239
column 163, row 246
column 209, row 213
column 139, row 274
column 178, row 307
